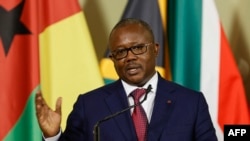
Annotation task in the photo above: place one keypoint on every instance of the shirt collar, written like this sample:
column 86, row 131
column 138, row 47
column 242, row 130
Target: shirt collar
column 153, row 82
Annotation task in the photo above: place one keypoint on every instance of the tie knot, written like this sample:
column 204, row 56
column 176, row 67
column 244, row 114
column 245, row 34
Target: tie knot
column 137, row 93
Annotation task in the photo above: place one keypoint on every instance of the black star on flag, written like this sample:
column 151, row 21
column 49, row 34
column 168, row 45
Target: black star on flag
column 10, row 25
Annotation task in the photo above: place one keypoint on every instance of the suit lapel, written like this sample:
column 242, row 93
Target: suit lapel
column 163, row 106
column 117, row 101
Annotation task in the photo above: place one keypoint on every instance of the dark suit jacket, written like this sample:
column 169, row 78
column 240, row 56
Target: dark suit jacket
column 179, row 114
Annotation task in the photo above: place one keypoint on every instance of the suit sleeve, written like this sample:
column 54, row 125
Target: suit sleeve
column 204, row 129
column 74, row 129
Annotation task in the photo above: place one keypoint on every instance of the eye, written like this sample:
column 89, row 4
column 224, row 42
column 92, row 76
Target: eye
column 120, row 52
column 137, row 47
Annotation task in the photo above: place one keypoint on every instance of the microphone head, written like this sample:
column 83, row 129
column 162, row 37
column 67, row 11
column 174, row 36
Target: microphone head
column 149, row 88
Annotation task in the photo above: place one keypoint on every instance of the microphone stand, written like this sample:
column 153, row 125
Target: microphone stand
column 96, row 130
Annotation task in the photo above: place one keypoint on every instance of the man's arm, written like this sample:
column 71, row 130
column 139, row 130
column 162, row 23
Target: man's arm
column 204, row 129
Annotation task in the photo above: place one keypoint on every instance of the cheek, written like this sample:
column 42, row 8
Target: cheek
column 150, row 62
column 150, row 58
column 118, row 66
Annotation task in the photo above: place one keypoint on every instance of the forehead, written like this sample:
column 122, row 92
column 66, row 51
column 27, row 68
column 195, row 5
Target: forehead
column 129, row 34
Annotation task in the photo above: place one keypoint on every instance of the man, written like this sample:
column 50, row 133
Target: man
column 173, row 113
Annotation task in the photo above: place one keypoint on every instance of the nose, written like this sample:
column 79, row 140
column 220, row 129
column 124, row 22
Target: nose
column 130, row 55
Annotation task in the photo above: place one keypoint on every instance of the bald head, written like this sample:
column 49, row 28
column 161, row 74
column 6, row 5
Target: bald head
column 131, row 21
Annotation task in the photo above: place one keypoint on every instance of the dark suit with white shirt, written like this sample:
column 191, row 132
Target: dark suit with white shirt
column 179, row 114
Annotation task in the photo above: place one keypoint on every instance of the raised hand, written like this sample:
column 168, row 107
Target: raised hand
column 49, row 120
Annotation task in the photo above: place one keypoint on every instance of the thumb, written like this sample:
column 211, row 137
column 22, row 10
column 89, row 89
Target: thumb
column 59, row 106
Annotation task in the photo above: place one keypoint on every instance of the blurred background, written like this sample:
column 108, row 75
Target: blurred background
column 58, row 70
column 102, row 15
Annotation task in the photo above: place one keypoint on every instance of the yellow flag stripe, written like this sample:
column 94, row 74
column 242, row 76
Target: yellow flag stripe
column 69, row 65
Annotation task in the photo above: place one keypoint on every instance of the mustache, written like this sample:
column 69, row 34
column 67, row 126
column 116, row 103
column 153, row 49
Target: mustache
column 132, row 65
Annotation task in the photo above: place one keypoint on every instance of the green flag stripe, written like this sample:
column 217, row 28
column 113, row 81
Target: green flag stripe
column 184, row 35
column 26, row 128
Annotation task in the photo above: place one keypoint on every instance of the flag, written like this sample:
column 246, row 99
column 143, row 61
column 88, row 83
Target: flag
column 42, row 42
column 69, row 64
column 201, row 58
column 153, row 12
column 19, row 70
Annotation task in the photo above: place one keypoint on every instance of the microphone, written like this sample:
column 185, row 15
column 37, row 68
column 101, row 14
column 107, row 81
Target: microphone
column 96, row 130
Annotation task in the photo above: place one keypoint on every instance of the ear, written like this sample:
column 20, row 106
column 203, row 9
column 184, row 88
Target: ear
column 156, row 49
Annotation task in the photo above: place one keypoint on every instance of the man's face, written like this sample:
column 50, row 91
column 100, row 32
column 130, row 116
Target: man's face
column 134, row 69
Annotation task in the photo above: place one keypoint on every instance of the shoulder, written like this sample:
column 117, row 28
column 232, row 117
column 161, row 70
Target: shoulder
column 178, row 91
column 184, row 96
column 173, row 86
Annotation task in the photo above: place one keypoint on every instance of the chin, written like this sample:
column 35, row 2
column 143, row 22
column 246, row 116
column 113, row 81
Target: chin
column 137, row 82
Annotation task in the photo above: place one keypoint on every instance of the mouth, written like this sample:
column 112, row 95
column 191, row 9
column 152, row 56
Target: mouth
column 133, row 69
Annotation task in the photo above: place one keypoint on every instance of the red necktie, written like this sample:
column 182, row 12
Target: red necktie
column 139, row 116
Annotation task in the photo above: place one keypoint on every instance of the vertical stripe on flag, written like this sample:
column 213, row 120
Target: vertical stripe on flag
column 184, row 37
column 221, row 80
column 19, row 73
column 210, row 59
column 69, row 64
column 149, row 11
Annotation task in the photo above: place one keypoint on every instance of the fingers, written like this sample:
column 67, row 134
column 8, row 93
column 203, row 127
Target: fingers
column 40, row 103
column 59, row 106
column 39, row 100
column 48, row 120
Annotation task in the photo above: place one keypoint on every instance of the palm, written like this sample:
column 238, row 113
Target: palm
column 49, row 120
column 50, row 123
